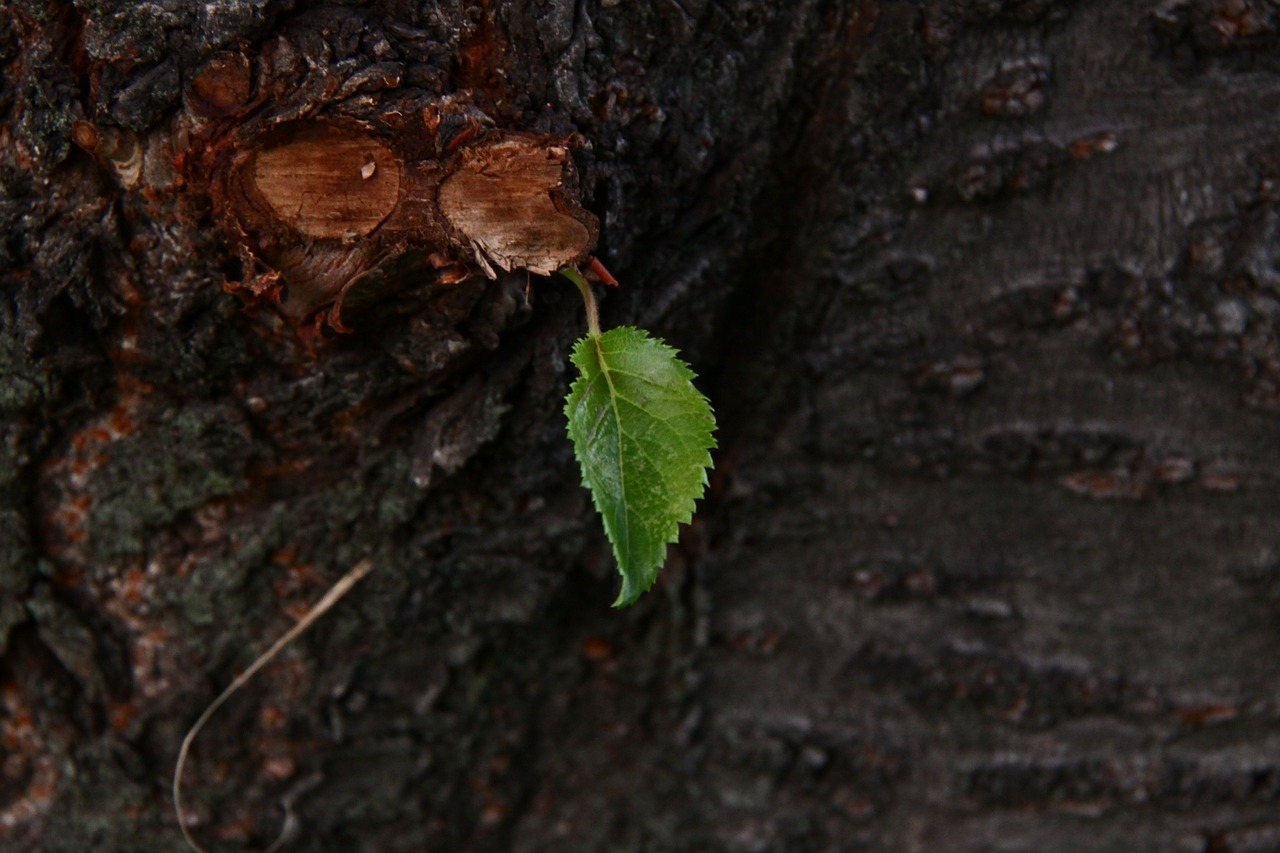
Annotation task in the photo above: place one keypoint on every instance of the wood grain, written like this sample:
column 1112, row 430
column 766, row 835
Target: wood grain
column 328, row 183
column 502, row 199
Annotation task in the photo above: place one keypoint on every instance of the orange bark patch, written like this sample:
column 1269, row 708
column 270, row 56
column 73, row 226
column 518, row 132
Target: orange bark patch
column 221, row 86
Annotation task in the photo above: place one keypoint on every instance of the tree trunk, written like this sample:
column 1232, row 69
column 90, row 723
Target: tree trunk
column 986, row 294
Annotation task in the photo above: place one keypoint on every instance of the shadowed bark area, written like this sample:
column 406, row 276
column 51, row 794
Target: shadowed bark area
column 986, row 294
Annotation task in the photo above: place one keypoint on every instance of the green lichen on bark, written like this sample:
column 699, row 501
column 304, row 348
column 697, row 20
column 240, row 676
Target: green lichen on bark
column 192, row 456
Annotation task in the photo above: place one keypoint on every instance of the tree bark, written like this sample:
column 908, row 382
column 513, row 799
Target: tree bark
column 985, row 293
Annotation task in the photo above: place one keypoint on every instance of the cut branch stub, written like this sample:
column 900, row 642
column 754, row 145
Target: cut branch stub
column 508, row 198
column 328, row 184
column 305, row 201
column 322, row 203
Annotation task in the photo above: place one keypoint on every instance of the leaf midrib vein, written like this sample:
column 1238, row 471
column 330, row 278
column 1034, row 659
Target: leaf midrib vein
column 625, row 532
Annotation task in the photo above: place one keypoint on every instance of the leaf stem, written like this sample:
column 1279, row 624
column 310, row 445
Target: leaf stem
column 584, row 287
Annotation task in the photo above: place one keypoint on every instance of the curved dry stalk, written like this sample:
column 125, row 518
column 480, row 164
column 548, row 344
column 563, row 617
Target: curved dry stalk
column 335, row 594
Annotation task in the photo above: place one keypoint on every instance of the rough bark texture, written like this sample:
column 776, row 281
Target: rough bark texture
column 986, row 293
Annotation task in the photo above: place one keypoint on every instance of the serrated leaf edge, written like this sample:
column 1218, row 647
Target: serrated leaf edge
column 685, row 509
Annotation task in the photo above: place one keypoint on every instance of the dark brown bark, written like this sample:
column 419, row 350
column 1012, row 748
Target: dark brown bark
column 985, row 293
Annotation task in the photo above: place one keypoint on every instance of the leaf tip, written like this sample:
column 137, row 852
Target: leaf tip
column 632, row 591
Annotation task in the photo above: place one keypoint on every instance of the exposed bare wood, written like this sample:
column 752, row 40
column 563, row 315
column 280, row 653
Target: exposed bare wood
column 327, row 183
column 509, row 197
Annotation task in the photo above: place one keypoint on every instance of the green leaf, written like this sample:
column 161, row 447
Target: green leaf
column 642, row 435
